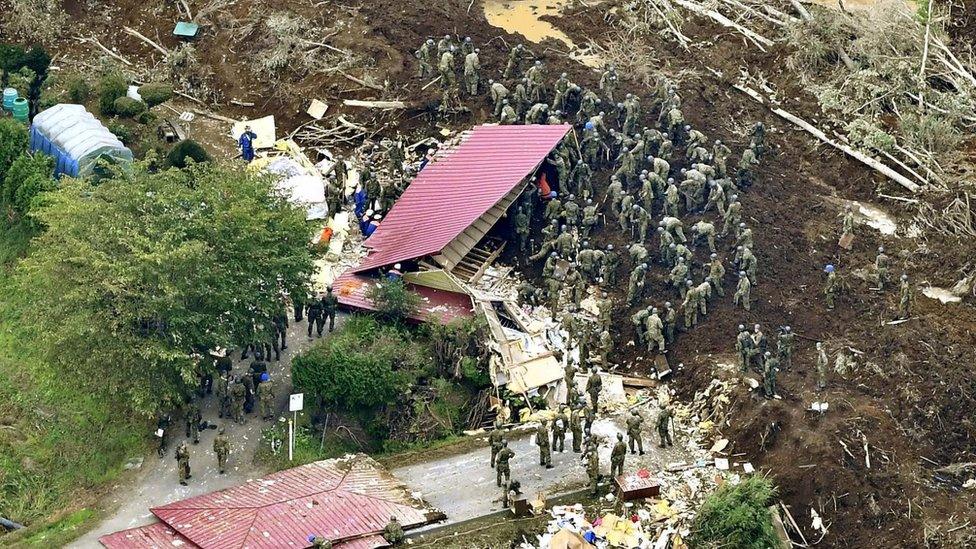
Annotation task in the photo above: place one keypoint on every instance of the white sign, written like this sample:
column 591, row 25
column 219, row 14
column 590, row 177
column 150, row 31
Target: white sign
column 296, row 402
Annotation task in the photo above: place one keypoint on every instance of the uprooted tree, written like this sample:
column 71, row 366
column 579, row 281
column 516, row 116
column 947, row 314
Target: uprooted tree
column 137, row 272
column 737, row 516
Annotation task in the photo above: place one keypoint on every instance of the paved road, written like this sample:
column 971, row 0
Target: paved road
column 158, row 482
column 463, row 486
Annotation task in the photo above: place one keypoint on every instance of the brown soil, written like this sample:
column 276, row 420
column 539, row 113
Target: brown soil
column 914, row 408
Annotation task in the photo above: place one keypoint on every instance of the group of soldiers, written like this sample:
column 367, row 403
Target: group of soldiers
column 253, row 390
column 443, row 59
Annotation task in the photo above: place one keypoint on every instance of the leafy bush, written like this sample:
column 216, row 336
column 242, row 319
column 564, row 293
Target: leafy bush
column 13, row 143
column 357, row 367
column 79, row 90
column 393, row 300
column 111, row 87
column 120, row 130
column 185, row 149
column 737, row 516
column 12, row 58
column 155, row 93
column 28, row 176
column 37, row 59
column 127, row 107
column 22, row 80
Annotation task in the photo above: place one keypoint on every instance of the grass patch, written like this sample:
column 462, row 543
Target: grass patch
column 62, row 531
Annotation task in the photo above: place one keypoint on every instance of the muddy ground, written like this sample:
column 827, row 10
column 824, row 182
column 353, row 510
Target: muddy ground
column 910, row 395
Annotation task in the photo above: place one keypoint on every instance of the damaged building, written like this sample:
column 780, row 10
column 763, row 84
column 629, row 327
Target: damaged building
column 445, row 234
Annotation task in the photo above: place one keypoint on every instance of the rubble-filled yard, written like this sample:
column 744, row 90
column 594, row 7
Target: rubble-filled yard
column 883, row 455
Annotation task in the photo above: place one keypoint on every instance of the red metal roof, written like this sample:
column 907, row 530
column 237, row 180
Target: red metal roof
column 345, row 500
column 160, row 535
column 455, row 190
column 157, row 535
column 442, row 305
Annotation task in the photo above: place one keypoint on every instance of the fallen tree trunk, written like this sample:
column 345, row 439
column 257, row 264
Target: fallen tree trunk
column 374, row 104
column 360, row 81
column 756, row 39
column 812, row 130
column 140, row 36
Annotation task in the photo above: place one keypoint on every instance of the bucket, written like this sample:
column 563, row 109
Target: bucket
column 21, row 109
column 9, row 95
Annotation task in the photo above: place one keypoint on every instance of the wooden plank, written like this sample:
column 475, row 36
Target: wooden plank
column 484, row 266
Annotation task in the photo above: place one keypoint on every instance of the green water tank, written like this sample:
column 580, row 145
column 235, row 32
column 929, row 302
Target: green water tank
column 9, row 95
column 21, row 109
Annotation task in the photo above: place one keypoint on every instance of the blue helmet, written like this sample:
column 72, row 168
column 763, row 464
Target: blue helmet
column 829, row 268
column 265, row 377
column 589, row 126
column 311, row 538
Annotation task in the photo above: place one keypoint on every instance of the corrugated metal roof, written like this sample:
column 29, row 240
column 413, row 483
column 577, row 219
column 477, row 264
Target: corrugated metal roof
column 157, row 535
column 454, row 191
column 443, row 305
column 345, row 499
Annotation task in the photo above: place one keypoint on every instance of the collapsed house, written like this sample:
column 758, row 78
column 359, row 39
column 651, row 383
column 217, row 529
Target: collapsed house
column 347, row 500
column 441, row 233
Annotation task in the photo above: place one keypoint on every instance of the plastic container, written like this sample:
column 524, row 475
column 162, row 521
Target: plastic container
column 21, row 109
column 9, row 95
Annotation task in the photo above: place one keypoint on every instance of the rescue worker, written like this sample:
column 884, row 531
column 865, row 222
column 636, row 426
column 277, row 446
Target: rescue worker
column 576, row 426
column 393, row 532
column 830, row 286
column 330, row 304
column 654, row 332
column 732, row 216
column 635, row 289
column 608, row 267
column 634, row 438
column 745, row 347
column 617, row 456
column 664, row 425
column 593, row 387
column 246, row 143
column 881, row 264
column 426, row 55
column 502, row 467
column 542, row 441
column 906, row 299
column 822, row 362
column 784, row 346
column 223, row 395
column 515, row 56
column 742, row 292
column 769, row 375
column 193, row 419
column 316, row 316
column 716, row 272
column 559, row 424
column 266, row 396
column 670, row 322
column 593, row 468
column 471, row 67
column 238, row 396
column 498, row 93
column 221, row 448
column 183, row 463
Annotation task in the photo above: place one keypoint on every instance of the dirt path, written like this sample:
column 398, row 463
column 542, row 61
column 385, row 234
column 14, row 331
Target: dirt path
column 158, row 484
column 463, row 485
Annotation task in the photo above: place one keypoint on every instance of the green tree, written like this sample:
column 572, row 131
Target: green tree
column 137, row 272
column 737, row 516
column 358, row 367
column 29, row 176
column 13, row 143
column 393, row 301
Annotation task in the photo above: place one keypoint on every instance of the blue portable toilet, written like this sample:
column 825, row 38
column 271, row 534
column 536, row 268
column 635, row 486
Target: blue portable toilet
column 76, row 140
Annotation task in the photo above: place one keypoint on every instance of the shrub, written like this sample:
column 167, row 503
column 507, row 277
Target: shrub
column 12, row 58
column 111, row 87
column 737, row 516
column 120, row 130
column 79, row 90
column 35, row 20
column 28, row 177
column 357, row 367
column 13, row 143
column 22, row 80
column 393, row 300
column 37, row 59
column 185, row 149
column 155, row 93
column 127, row 107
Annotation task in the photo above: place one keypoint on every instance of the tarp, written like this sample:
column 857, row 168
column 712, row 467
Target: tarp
column 75, row 139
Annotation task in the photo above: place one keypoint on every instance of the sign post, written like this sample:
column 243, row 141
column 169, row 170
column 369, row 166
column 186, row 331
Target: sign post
column 295, row 403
